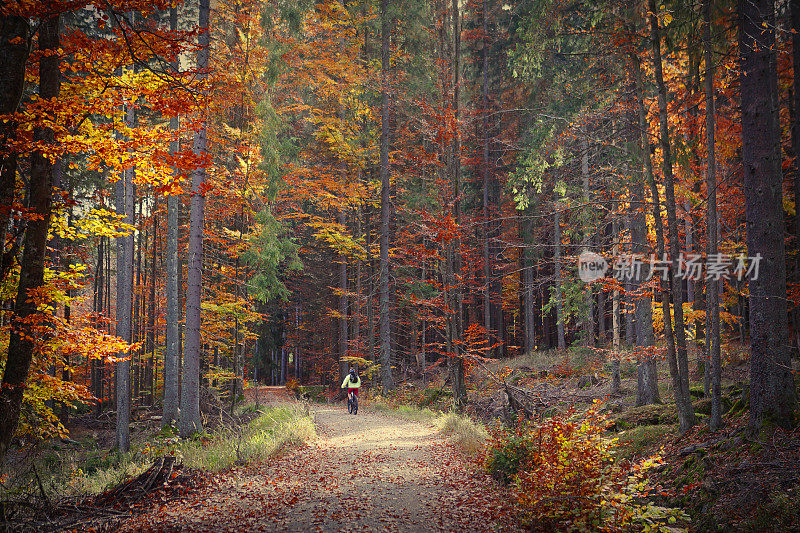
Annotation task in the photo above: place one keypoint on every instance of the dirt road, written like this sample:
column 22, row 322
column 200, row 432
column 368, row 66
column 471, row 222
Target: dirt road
column 369, row 472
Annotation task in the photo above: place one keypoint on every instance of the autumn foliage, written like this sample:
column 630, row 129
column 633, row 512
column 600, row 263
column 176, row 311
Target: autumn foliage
column 564, row 474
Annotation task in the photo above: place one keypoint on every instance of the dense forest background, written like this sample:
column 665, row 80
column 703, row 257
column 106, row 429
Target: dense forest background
column 200, row 196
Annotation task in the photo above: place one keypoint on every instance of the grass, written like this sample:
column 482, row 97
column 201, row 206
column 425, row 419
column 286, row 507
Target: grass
column 264, row 437
column 636, row 441
column 466, row 434
column 89, row 470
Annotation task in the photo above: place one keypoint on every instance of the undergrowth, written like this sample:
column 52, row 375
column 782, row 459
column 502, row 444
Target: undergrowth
column 89, row 470
column 467, row 435
column 563, row 474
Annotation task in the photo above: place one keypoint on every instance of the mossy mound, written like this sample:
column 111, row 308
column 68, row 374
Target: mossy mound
column 703, row 406
column 647, row 415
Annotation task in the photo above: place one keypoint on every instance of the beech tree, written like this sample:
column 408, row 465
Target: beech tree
column 22, row 339
column 190, row 421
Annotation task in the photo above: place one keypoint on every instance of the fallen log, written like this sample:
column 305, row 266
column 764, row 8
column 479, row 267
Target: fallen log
column 159, row 473
column 525, row 401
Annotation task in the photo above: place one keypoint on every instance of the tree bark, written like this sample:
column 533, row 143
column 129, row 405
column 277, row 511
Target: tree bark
column 457, row 364
column 687, row 417
column 151, row 311
column 588, row 323
column 795, row 14
column 771, row 383
column 712, row 290
column 562, row 344
column 171, row 356
column 615, row 317
column 682, row 403
column 646, row 367
column 343, row 340
column 21, row 344
column 190, row 421
column 385, row 324
column 529, row 288
column 14, row 36
column 125, row 197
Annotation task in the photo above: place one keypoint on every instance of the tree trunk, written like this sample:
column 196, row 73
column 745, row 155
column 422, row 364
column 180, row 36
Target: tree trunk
column 125, row 198
column 646, row 365
column 687, row 418
column 795, row 13
column 343, row 341
column 529, row 289
column 588, row 322
column 712, row 290
column 13, row 58
column 771, row 382
column 385, row 325
column 615, row 325
column 615, row 317
column 135, row 329
column 95, row 365
column 190, row 421
column 151, row 311
column 171, row 356
column 647, row 369
column 562, row 344
column 682, row 403
column 21, row 344
column 457, row 364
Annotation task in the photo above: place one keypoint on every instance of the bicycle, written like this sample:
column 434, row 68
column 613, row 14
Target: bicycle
column 352, row 403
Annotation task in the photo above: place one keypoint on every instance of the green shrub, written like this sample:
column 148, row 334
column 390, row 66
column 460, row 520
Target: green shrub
column 433, row 395
column 312, row 393
column 505, row 457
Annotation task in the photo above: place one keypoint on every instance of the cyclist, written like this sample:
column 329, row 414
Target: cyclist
column 352, row 382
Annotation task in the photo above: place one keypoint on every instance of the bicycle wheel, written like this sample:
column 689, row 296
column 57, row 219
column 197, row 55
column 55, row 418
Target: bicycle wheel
column 350, row 405
column 355, row 404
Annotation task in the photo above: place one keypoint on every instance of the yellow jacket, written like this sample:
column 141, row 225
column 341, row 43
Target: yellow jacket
column 351, row 384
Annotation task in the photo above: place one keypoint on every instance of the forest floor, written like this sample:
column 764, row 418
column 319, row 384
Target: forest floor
column 368, row 472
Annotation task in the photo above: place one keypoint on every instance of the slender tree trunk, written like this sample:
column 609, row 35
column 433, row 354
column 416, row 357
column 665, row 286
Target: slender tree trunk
column 712, row 294
column 125, row 197
column 672, row 223
column 646, row 365
column 529, row 288
column 190, row 421
column 647, row 369
column 588, row 323
column 385, row 324
column 771, row 382
column 359, row 346
column 135, row 329
column 795, row 13
column 615, row 318
column 14, row 35
column 457, row 364
column 95, row 365
column 171, row 355
column 682, row 403
column 615, row 325
column 562, row 344
column 21, row 344
column 343, row 340
column 151, row 311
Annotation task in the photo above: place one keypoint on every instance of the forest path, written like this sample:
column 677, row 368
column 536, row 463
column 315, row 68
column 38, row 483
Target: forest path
column 368, row 472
